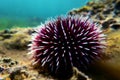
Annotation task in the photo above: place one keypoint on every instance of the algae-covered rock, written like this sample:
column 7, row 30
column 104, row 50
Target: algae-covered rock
column 115, row 26
column 1, row 38
column 78, row 75
column 113, row 42
column 7, row 62
column 18, row 40
column 85, row 9
column 106, row 24
column 117, row 7
column 80, row 10
column 18, row 73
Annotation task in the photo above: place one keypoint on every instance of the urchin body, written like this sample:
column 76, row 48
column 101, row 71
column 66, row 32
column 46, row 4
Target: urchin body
column 66, row 42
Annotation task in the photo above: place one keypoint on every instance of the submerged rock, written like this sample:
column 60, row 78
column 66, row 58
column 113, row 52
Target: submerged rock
column 17, row 38
column 115, row 26
column 78, row 75
column 117, row 8
column 18, row 73
column 106, row 24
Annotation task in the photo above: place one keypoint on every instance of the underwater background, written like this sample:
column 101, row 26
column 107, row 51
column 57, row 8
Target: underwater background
column 31, row 12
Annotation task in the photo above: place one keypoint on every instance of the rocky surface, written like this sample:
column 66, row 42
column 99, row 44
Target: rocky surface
column 16, row 65
column 105, row 12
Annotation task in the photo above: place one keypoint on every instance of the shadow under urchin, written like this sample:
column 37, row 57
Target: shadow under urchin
column 65, row 42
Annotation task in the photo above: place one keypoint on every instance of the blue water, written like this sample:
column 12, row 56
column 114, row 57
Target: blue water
column 36, row 10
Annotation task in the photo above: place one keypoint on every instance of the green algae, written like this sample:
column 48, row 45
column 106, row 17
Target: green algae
column 113, row 42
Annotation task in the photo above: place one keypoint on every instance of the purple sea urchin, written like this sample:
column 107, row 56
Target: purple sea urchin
column 66, row 42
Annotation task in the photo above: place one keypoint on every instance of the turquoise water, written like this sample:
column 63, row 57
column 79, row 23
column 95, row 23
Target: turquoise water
column 32, row 12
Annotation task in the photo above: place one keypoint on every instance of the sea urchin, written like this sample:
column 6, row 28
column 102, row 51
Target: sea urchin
column 66, row 42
